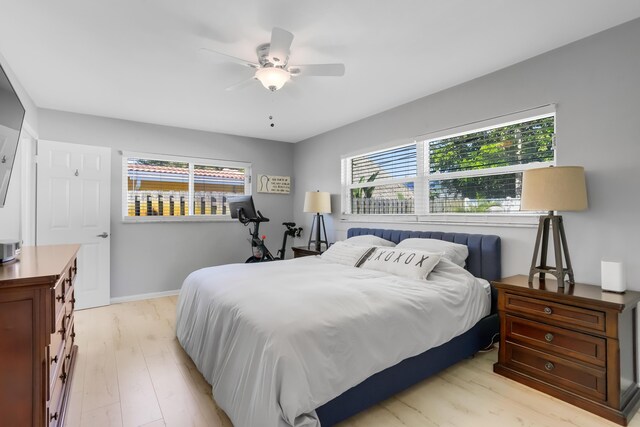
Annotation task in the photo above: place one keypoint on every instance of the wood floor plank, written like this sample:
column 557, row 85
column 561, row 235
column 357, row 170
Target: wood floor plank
column 100, row 384
column 522, row 400
column 139, row 403
column 131, row 370
column 106, row 416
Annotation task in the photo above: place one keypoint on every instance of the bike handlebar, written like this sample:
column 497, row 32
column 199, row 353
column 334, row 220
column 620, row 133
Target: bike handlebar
column 262, row 218
column 243, row 219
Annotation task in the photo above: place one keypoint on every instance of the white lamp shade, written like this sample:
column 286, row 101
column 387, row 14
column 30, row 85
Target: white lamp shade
column 559, row 188
column 317, row 202
column 272, row 78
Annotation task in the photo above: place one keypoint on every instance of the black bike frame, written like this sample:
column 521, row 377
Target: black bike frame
column 260, row 251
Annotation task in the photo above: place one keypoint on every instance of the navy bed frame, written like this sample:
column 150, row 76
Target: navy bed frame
column 483, row 261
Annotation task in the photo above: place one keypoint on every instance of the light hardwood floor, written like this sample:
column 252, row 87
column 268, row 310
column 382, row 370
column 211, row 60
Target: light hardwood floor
column 131, row 371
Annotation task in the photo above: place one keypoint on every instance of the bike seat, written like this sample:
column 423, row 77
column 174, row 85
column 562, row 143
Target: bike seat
column 289, row 224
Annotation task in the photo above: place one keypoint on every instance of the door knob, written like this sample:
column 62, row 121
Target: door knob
column 103, row 235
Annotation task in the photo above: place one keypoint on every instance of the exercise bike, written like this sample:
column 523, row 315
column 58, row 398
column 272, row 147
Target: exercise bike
column 243, row 209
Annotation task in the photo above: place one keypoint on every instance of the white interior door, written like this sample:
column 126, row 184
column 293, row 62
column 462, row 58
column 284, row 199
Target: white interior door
column 73, row 206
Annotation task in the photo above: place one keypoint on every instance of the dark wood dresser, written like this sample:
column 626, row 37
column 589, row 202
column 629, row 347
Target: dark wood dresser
column 37, row 335
column 578, row 344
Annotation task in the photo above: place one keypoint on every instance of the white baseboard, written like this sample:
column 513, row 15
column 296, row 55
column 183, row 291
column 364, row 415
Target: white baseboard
column 140, row 297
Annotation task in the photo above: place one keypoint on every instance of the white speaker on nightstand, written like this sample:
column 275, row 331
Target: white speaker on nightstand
column 613, row 276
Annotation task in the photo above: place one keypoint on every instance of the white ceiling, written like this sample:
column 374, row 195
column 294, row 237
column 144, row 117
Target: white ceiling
column 141, row 59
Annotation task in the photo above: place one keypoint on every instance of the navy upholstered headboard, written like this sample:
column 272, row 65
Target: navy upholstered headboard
column 484, row 249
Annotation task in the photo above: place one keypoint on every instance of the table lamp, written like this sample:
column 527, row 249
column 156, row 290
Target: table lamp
column 555, row 188
column 317, row 202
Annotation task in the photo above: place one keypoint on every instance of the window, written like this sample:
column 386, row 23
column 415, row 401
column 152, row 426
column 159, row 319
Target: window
column 475, row 170
column 158, row 187
column 383, row 181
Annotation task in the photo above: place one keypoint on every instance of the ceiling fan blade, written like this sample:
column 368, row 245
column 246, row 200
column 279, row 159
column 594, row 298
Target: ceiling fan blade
column 242, row 84
column 280, row 46
column 317, row 70
column 231, row 58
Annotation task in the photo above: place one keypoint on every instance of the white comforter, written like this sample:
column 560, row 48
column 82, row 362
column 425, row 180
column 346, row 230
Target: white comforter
column 279, row 339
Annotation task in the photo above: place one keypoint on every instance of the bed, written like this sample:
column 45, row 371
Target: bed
column 306, row 343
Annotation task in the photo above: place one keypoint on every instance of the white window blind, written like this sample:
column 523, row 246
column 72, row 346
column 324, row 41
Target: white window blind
column 383, row 182
column 172, row 188
column 477, row 170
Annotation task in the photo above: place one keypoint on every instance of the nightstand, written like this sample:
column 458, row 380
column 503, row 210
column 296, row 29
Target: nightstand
column 577, row 344
column 300, row 251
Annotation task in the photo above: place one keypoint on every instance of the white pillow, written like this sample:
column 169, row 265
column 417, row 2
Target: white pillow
column 369, row 240
column 411, row 263
column 454, row 252
column 346, row 254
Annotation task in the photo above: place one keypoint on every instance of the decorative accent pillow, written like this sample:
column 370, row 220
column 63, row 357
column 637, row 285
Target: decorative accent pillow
column 346, row 254
column 411, row 263
column 369, row 240
column 454, row 252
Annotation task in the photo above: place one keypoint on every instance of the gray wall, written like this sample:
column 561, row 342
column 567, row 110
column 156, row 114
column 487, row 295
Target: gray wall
column 596, row 85
column 148, row 258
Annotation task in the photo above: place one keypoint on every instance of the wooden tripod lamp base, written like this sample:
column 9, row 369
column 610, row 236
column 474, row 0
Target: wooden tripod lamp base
column 555, row 188
column 560, row 248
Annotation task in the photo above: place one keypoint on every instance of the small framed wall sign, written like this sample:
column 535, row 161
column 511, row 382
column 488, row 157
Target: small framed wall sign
column 274, row 184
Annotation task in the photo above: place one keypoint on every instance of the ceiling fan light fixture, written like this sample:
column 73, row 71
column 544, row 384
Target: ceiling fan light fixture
column 272, row 78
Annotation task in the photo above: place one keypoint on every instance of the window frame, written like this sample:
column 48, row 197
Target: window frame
column 423, row 177
column 192, row 161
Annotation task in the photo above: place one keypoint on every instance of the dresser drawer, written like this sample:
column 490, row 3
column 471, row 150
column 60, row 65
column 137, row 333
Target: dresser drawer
column 554, row 370
column 73, row 269
column 56, row 352
column 70, row 336
column 53, row 405
column 562, row 314
column 563, row 342
column 67, row 358
column 68, row 291
column 58, row 299
column 68, row 308
column 56, row 362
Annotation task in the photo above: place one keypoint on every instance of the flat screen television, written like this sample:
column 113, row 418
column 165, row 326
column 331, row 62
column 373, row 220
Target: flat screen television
column 11, row 117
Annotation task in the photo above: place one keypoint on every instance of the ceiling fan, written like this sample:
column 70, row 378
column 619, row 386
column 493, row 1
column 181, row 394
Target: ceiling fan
column 273, row 69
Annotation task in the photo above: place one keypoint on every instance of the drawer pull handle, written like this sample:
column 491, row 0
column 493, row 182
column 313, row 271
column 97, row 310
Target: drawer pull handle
column 547, row 310
column 53, row 417
column 63, row 377
column 548, row 336
column 59, row 298
column 62, row 331
column 68, row 356
column 549, row 366
column 54, row 359
column 68, row 316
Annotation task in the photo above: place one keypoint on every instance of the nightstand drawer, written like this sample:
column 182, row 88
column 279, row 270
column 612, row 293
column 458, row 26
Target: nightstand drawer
column 301, row 251
column 563, row 373
column 562, row 314
column 560, row 341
